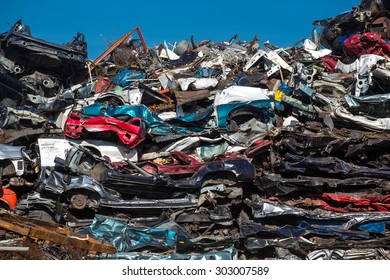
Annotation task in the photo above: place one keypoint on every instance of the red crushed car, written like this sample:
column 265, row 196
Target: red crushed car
column 182, row 164
column 131, row 132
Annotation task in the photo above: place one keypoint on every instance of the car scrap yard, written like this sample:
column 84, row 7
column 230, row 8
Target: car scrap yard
column 198, row 150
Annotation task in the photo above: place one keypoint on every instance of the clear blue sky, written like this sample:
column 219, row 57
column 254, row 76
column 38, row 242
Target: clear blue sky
column 282, row 22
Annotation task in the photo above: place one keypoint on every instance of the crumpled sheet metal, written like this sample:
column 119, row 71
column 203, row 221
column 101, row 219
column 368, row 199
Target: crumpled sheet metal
column 354, row 254
column 363, row 65
column 322, row 246
column 378, row 124
column 248, row 133
column 259, row 108
column 367, row 43
column 59, row 183
column 10, row 116
column 276, row 185
column 61, row 65
column 303, row 229
column 128, row 77
column 329, row 166
column 355, row 202
column 225, row 254
column 262, row 208
column 126, row 238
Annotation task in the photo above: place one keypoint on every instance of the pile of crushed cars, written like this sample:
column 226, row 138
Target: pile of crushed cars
column 200, row 150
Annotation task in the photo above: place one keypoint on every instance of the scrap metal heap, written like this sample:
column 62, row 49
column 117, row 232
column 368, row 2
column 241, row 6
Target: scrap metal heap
column 201, row 150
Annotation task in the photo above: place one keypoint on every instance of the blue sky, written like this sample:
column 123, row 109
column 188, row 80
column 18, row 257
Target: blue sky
column 282, row 22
